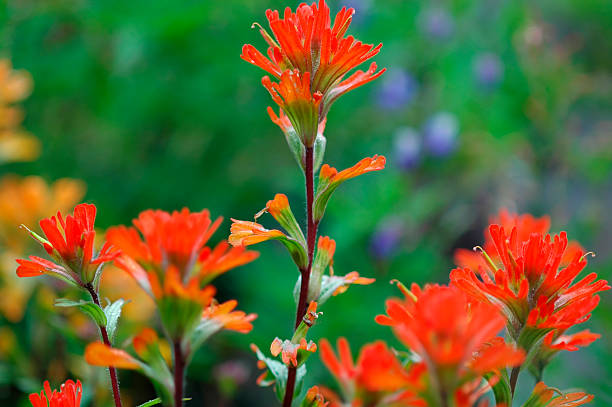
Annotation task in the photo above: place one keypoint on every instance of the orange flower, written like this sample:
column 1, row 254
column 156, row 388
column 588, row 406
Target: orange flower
column 314, row 398
column 306, row 41
column 330, row 179
column 293, row 95
column 174, row 241
column 69, row 395
column 377, row 369
column 225, row 316
column 99, row 354
column 525, row 224
column 289, row 350
column 70, row 242
column 569, row 342
column 544, row 396
column 455, row 338
column 245, row 233
column 532, row 289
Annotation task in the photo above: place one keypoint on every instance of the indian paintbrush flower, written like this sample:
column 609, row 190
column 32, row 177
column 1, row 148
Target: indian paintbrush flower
column 69, row 395
column 534, row 291
column 70, row 243
column 378, row 375
column 307, row 42
column 454, row 336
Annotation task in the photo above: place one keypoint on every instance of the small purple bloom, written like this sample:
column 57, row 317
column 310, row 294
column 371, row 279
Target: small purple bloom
column 386, row 238
column 407, row 148
column 397, row 89
column 441, row 132
column 437, row 22
column 488, row 69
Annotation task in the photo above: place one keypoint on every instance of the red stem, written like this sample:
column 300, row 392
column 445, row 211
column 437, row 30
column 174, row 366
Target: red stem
column 179, row 374
column 311, row 240
column 111, row 370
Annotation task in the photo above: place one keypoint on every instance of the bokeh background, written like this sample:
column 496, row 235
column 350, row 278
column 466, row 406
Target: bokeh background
column 146, row 104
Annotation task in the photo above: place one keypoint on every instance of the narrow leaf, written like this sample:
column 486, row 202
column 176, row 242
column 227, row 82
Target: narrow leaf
column 87, row 307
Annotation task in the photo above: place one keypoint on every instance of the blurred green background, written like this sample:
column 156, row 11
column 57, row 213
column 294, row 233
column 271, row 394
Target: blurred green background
column 486, row 104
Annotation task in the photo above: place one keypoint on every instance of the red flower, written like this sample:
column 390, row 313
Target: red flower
column 70, row 242
column 377, row 370
column 69, row 395
column 172, row 263
column 530, row 286
column 456, row 338
column 174, row 240
column 293, row 95
column 525, row 224
column 307, row 41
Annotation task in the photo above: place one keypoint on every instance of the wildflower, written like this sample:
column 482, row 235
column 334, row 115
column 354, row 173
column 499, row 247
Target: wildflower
column 245, row 233
column 525, row 224
column 536, row 296
column 440, row 134
column 377, row 373
column 69, row 395
column 455, row 338
column 330, row 179
column 293, row 95
column 70, row 243
column 307, row 42
column 173, row 240
column 544, row 396
column 289, row 351
column 314, row 398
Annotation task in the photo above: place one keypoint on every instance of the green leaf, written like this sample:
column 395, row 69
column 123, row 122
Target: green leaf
column 36, row 236
column 87, row 307
column 319, row 151
column 113, row 312
column 155, row 402
column 501, row 389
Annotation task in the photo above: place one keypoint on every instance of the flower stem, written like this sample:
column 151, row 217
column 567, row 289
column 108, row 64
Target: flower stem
column 179, row 373
column 111, row 370
column 311, row 240
column 514, row 378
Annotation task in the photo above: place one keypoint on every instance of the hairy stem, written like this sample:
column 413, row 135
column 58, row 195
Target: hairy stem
column 311, row 240
column 179, row 373
column 111, row 370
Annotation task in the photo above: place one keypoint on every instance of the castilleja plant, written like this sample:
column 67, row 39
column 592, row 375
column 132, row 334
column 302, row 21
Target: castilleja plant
column 166, row 254
column 311, row 60
column 69, row 241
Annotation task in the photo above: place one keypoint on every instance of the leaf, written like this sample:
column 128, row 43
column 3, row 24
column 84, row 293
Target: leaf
column 329, row 285
column 87, row 307
column 155, row 402
column 113, row 312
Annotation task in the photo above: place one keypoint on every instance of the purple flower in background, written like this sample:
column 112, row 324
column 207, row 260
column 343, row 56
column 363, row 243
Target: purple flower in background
column 488, row 69
column 362, row 8
column 440, row 134
column 397, row 89
column 386, row 238
column 407, row 148
column 437, row 22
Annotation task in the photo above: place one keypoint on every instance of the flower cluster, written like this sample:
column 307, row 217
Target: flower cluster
column 69, row 395
column 531, row 276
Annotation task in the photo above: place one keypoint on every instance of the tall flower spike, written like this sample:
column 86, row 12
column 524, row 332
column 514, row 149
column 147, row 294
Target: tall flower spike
column 455, row 338
column 70, row 243
column 307, row 41
column 293, row 95
column 330, row 179
column 69, row 395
